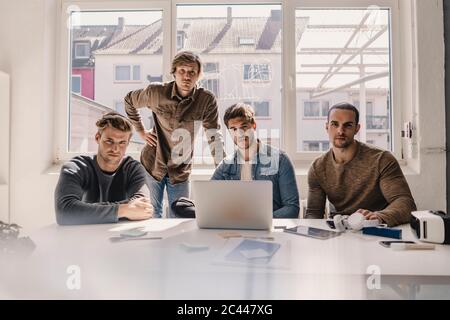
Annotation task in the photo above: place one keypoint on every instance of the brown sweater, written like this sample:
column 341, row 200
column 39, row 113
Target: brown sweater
column 372, row 180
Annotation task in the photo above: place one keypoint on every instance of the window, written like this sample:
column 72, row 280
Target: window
column 315, row 109
column 331, row 52
column 76, row 84
column 127, row 73
column 245, row 42
column 146, row 116
column 211, row 85
column 261, row 108
column 316, row 146
column 151, row 78
column 342, row 54
column 82, row 50
column 210, row 67
column 180, row 40
column 117, row 37
column 258, row 72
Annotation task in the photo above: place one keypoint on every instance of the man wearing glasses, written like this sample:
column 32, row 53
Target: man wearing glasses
column 355, row 176
column 179, row 108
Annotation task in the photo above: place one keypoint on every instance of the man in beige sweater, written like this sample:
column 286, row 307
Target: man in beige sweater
column 357, row 177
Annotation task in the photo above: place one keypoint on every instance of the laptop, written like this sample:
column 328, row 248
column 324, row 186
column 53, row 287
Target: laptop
column 233, row 204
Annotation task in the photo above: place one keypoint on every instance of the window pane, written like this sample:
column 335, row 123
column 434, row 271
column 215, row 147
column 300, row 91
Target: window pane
column 76, row 84
column 262, row 109
column 126, row 45
column 312, row 109
column 343, row 55
column 136, row 72
column 325, row 107
column 211, row 85
column 81, row 50
column 221, row 34
column 210, row 67
column 122, row 73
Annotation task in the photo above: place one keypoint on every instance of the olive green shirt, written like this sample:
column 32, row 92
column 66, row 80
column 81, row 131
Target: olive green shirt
column 372, row 180
column 177, row 121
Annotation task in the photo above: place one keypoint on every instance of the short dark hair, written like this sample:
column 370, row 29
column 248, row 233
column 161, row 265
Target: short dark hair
column 114, row 120
column 344, row 106
column 239, row 110
column 185, row 57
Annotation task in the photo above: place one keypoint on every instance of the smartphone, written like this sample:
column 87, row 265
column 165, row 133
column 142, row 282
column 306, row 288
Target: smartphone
column 387, row 244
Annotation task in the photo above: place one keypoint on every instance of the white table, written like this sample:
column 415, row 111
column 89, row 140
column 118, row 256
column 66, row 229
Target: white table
column 337, row 268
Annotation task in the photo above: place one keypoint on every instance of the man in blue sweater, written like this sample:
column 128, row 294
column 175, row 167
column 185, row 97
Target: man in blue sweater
column 105, row 187
column 254, row 160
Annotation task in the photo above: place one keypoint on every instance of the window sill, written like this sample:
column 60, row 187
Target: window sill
column 205, row 172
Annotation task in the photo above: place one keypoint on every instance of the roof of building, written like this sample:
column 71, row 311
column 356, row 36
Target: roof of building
column 203, row 35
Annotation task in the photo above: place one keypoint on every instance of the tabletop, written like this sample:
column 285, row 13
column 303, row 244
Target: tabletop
column 185, row 262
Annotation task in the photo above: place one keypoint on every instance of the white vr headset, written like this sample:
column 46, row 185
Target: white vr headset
column 355, row 221
column 431, row 226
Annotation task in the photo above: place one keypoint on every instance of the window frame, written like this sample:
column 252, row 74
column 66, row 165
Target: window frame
column 290, row 105
column 321, row 116
column 132, row 66
column 252, row 103
column 288, row 58
column 61, row 151
column 250, row 80
column 81, row 43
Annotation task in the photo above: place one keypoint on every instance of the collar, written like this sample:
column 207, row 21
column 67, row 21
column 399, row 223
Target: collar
column 174, row 93
column 263, row 154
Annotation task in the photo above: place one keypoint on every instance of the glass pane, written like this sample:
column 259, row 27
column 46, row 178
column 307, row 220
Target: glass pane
column 76, row 84
column 245, row 41
column 262, row 109
column 312, row 109
column 123, row 73
column 136, row 72
column 123, row 44
column 344, row 55
column 81, row 50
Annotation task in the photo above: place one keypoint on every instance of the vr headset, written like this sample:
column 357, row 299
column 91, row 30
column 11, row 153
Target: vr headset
column 431, row 226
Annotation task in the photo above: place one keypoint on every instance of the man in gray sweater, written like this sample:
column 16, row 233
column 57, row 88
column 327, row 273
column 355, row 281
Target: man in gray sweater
column 105, row 187
column 356, row 176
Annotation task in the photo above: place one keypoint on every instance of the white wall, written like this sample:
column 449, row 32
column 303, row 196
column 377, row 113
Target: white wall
column 28, row 36
column 428, row 106
column 27, row 53
column 4, row 141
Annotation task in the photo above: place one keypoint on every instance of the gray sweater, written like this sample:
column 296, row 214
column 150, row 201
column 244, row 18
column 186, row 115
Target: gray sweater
column 85, row 194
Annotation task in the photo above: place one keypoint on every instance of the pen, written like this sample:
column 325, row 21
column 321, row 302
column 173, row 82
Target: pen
column 412, row 246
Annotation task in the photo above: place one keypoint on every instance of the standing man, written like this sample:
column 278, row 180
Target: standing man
column 356, row 176
column 176, row 105
column 254, row 160
column 107, row 186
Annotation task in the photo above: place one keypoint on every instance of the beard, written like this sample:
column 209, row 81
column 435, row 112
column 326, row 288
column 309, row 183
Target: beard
column 342, row 143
